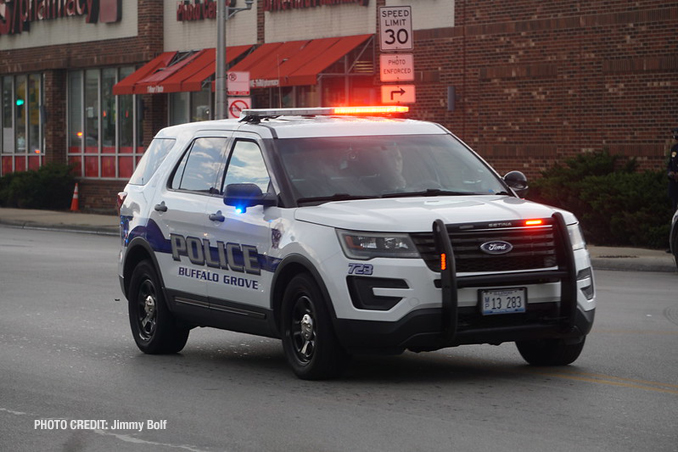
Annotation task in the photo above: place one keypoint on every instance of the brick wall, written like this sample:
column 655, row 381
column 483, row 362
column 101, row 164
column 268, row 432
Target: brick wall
column 538, row 81
column 535, row 82
column 54, row 62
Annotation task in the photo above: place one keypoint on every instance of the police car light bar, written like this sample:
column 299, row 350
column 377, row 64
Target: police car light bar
column 322, row 111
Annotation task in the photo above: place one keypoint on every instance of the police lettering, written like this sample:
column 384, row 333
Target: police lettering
column 226, row 256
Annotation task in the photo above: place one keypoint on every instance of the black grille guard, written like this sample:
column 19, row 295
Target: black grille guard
column 450, row 282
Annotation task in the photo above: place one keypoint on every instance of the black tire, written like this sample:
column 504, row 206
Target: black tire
column 550, row 352
column 309, row 341
column 154, row 328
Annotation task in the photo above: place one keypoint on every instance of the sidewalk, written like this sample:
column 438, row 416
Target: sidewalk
column 62, row 220
column 602, row 257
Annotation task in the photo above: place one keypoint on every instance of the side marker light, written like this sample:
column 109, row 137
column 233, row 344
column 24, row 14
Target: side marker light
column 533, row 222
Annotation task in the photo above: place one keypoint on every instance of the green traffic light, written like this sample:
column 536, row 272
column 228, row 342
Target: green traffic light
column 19, row 102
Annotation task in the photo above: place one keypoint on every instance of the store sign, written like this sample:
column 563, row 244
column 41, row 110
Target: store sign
column 282, row 5
column 193, row 10
column 196, row 10
column 16, row 16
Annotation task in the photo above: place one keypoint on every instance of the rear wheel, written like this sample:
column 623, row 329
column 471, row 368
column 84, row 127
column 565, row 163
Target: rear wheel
column 154, row 328
column 550, row 352
column 310, row 344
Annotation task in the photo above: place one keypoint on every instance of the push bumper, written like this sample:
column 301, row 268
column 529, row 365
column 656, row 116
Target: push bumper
column 450, row 325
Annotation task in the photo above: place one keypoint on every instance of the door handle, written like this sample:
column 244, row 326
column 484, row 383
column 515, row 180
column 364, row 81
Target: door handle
column 217, row 216
column 161, row 207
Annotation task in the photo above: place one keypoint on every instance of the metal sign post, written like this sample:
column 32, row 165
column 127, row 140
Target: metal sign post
column 224, row 12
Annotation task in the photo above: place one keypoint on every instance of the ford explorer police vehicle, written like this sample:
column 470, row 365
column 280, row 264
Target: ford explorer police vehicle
column 341, row 232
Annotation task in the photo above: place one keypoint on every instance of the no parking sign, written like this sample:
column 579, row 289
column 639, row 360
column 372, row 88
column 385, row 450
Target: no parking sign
column 238, row 104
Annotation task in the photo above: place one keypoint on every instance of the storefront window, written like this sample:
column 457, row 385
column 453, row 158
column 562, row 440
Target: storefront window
column 35, row 146
column 102, row 127
column 75, row 125
column 126, row 117
column 21, row 132
column 190, row 107
column 108, row 111
column 125, row 121
column 200, row 105
column 20, row 113
column 7, row 115
column 179, row 108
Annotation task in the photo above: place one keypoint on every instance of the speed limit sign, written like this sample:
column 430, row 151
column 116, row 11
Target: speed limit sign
column 395, row 28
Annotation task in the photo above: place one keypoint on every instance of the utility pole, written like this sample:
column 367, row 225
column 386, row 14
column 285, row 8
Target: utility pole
column 224, row 12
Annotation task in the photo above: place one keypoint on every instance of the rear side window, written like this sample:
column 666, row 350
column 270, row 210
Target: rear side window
column 151, row 160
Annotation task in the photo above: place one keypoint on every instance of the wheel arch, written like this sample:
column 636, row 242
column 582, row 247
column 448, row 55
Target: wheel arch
column 138, row 250
column 290, row 267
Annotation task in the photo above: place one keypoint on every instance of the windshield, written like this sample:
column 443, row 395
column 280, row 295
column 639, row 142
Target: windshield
column 335, row 168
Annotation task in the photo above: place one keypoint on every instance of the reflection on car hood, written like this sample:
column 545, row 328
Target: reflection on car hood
column 418, row 214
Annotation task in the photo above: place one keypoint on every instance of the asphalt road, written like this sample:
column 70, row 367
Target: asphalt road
column 72, row 379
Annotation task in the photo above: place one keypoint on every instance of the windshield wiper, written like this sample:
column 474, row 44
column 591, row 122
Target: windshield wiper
column 334, row 197
column 427, row 192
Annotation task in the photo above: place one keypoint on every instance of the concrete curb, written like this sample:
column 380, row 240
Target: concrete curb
column 60, row 221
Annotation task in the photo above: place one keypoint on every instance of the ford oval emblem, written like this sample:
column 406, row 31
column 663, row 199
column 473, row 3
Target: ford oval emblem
column 496, row 247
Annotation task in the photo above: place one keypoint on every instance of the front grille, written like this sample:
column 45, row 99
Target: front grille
column 533, row 248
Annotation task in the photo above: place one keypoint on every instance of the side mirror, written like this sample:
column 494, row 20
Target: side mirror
column 518, row 182
column 242, row 196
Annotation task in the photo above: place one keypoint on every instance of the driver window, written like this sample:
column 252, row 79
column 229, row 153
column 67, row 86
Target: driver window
column 246, row 165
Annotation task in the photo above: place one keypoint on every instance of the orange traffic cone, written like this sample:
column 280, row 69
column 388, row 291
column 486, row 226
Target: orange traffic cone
column 75, row 204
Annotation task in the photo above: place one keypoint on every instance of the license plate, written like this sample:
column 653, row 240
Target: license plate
column 503, row 301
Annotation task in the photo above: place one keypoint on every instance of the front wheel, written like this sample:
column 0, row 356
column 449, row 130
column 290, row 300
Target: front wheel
column 310, row 344
column 550, row 352
column 154, row 328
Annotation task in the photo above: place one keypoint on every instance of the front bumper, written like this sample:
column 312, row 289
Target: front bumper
column 454, row 324
column 421, row 331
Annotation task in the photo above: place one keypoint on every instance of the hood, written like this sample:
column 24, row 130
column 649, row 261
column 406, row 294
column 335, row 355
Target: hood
column 418, row 214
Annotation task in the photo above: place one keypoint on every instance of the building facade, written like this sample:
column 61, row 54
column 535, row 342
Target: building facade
column 527, row 83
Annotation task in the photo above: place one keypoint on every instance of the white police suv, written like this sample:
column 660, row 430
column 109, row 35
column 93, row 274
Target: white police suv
column 345, row 231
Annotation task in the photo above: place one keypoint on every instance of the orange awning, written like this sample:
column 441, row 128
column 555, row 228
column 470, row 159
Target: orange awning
column 155, row 82
column 295, row 63
column 175, row 72
column 325, row 54
column 191, row 78
column 126, row 86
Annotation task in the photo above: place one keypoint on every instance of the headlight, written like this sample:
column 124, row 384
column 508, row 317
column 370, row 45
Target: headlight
column 367, row 245
column 576, row 237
